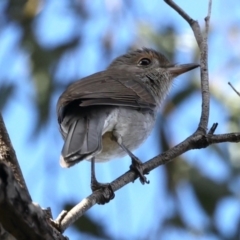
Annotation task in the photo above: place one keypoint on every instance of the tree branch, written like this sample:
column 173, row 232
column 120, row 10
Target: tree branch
column 193, row 23
column 196, row 141
column 207, row 18
column 16, row 207
column 234, row 89
column 202, row 44
column 8, row 156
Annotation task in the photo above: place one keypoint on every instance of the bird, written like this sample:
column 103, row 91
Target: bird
column 110, row 113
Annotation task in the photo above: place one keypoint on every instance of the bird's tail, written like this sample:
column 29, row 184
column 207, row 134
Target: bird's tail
column 84, row 138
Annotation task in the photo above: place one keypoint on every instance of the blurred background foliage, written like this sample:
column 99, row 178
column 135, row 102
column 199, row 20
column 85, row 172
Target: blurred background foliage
column 46, row 44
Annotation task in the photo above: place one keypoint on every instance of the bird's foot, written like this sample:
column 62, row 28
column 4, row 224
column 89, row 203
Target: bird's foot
column 137, row 167
column 107, row 193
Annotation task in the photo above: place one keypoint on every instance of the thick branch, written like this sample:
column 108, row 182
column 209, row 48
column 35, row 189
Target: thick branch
column 16, row 207
column 16, row 210
column 8, row 156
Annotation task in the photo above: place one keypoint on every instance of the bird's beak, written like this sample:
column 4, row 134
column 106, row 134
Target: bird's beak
column 179, row 69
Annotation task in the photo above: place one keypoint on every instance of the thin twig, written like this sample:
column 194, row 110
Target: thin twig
column 179, row 10
column 207, row 18
column 193, row 23
column 205, row 76
column 202, row 44
column 203, row 125
column 234, row 89
column 213, row 128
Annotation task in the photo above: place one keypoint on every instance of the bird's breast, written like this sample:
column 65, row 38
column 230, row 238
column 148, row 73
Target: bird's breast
column 133, row 125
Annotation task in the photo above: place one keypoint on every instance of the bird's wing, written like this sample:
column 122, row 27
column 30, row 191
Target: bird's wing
column 111, row 87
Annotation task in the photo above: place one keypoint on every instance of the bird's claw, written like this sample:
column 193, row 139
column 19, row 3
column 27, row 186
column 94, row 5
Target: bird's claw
column 137, row 167
column 107, row 193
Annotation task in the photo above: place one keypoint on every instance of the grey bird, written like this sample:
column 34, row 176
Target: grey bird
column 110, row 113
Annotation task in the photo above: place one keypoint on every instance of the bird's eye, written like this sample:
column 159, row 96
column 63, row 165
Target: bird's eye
column 144, row 62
